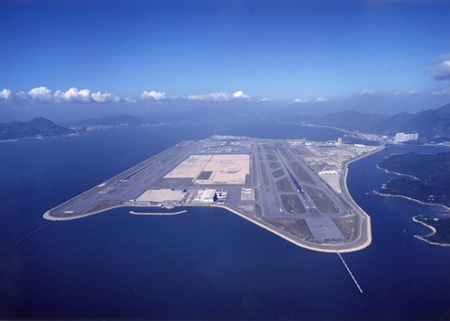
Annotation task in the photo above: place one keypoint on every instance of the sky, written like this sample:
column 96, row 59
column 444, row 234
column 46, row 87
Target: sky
column 377, row 55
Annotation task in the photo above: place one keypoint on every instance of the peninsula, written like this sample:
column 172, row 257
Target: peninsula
column 425, row 177
column 293, row 188
column 440, row 229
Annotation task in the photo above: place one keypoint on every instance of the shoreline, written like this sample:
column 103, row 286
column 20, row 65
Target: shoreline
column 292, row 240
column 396, row 173
column 346, row 194
column 433, row 231
column 335, row 128
column 232, row 210
column 12, row 140
column 157, row 214
column 411, row 199
column 404, row 196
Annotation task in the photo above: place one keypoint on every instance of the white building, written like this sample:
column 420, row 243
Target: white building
column 402, row 137
column 329, row 171
column 208, row 195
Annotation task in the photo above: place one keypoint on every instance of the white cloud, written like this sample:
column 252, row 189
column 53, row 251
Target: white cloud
column 216, row 96
column 220, row 96
column 397, row 93
column 441, row 58
column 5, row 93
column 442, row 92
column 106, row 97
column 22, row 95
column 299, row 100
column 320, row 99
column 367, row 92
column 156, row 95
column 212, row 96
column 73, row 94
column 85, row 95
column 129, row 99
column 442, row 71
column 441, row 68
column 240, row 95
column 42, row 93
column 413, row 92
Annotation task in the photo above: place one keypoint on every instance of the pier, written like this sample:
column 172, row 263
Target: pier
column 350, row 272
column 34, row 232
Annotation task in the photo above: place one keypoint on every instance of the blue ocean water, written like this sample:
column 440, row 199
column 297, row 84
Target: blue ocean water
column 207, row 263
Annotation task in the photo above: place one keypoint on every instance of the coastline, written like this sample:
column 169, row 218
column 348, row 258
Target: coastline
column 47, row 216
column 292, row 240
column 157, row 214
column 12, row 140
column 404, row 196
column 9, row 140
column 412, row 199
column 396, row 173
column 346, row 193
column 433, row 231
column 335, row 128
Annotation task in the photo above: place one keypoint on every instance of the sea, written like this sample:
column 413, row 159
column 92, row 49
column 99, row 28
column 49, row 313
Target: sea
column 206, row 264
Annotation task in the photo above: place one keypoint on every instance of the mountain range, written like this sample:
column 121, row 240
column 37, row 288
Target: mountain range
column 113, row 121
column 37, row 127
column 432, row 124
column 429, row 124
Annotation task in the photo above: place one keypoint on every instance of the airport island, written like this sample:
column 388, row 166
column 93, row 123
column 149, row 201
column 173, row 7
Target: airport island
column 295, row 189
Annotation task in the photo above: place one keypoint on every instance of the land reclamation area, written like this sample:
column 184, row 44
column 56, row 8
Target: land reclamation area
column 293, row 188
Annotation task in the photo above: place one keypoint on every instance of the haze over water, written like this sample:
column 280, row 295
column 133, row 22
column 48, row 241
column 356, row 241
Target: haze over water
column 207, row 263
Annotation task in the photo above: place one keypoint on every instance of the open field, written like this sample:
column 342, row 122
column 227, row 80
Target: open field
column 284, row 185
column 322, row 201
column 274, row 165
column 293, row 204
column 213, row 169
column 301, row 174
column 278, row 173
column 161, row 195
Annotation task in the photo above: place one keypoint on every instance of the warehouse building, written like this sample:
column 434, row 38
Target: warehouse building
column 208, row 195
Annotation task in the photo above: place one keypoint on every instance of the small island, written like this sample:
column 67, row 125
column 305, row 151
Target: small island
column 425, row 177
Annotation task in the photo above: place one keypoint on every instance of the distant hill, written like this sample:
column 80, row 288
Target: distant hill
column 241, row 112
column 430, row 124
column 38, row 127
column 114, row 121
column 352, row 121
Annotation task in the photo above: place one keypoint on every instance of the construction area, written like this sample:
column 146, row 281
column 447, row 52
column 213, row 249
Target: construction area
column 214, row 169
